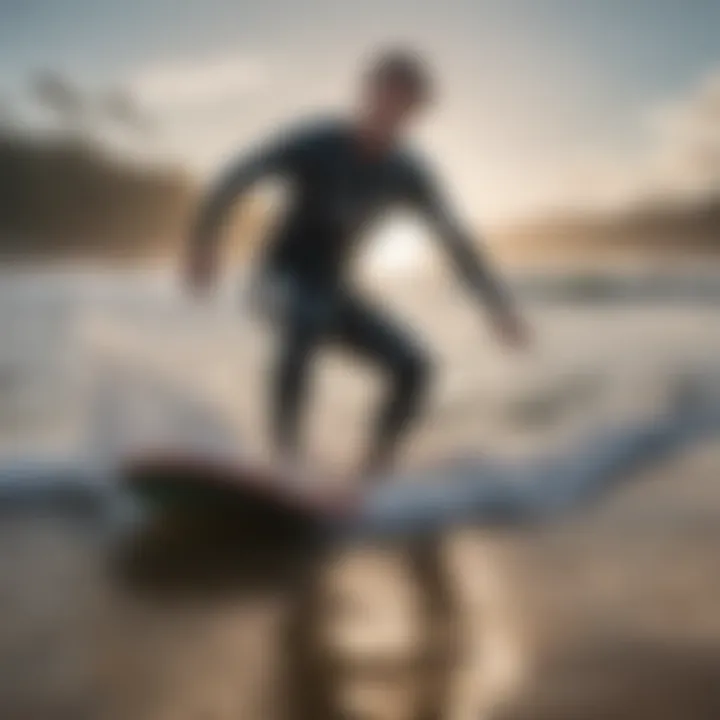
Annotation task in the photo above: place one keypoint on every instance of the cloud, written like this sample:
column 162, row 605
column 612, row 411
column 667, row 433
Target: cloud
column 686, row 155
column 189, row 84
column 680, row 158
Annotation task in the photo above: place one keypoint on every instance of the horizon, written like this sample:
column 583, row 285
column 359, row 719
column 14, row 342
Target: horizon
column 591, row 105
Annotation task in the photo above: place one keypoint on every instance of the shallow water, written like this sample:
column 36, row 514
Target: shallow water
column 568, row 617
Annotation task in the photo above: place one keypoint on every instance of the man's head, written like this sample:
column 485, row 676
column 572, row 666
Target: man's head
column 397, row 86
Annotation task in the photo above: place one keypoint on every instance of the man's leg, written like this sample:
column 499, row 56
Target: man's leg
column 368, row 332
column 303, row 323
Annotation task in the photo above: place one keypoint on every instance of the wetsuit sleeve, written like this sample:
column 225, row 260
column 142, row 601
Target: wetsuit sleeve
column 280, row 157
column 468, row 258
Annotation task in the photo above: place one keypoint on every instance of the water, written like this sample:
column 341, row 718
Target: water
column 69, row 332
column 94, row 358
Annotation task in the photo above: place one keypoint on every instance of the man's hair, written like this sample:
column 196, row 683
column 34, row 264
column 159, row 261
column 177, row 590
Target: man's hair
column 402, row 68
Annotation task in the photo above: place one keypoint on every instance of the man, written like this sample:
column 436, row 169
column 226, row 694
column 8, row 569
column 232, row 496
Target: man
column 344, row 173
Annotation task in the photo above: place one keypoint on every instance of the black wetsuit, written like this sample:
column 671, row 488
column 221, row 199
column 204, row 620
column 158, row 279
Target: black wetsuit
column 337, row 192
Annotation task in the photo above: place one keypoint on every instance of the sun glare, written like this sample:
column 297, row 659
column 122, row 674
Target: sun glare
column 399, row 248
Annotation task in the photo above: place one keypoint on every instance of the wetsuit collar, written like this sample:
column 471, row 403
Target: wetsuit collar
column 367, row 146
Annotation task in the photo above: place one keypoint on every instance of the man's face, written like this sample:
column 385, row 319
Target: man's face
column 392, row 107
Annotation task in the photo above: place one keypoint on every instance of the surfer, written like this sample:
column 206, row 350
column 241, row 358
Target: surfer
column 344, row 173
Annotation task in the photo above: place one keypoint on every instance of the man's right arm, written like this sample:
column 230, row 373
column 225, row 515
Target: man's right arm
column 277, row 158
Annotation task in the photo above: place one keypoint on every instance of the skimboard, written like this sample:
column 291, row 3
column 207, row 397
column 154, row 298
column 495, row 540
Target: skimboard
column 182, row 482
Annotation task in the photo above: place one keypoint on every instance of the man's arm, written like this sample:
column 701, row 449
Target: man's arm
column 277, row 158
column 469, row 261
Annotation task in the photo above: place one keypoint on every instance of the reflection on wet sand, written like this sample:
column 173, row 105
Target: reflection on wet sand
column 613, row 615
column 610, row 616
column 341, row 634
column 175, row 628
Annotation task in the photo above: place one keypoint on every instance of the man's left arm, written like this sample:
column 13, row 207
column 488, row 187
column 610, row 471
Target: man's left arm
column 470, row 262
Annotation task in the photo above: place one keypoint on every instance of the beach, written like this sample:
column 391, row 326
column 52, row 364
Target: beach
column 608, row 614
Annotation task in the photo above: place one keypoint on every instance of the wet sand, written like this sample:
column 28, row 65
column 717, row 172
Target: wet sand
column 613, row 614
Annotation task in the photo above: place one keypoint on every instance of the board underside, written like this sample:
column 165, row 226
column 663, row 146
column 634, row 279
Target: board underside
column 171, row 483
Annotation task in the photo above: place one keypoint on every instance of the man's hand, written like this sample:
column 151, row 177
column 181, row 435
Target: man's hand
column 199, row 272
column 512, row 330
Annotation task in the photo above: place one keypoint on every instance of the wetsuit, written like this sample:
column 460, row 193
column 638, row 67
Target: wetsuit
column 337, row 192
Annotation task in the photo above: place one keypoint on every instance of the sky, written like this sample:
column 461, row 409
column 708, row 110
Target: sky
column 544, row 103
